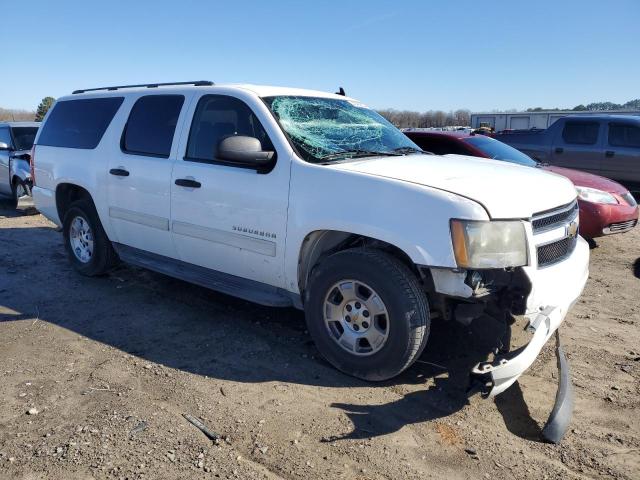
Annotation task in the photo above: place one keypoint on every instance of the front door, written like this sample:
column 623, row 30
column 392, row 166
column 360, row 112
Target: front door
column 139, row 174
column 223, row 217
column 578, row 145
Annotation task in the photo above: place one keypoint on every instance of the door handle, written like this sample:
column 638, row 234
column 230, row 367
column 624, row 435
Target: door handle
column 559, row 149
column 187, row 182
column 119, row 172
column 609, row 153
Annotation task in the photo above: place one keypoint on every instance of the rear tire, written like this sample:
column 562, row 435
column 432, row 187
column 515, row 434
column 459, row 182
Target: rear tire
column 88, row 247
column 337, row 319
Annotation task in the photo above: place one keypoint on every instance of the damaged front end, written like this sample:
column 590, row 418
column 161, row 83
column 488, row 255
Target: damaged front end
column 540, row 298
column 493, row 378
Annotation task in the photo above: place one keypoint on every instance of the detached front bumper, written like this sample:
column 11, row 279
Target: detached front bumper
column 496, row 376
column 554, row 291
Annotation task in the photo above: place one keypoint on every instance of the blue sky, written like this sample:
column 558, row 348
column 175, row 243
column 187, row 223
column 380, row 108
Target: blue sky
column 416, row 55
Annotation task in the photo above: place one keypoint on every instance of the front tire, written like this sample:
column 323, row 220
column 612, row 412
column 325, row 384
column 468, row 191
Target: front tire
column 19, row 188
column 367, row 313
column 88, row 247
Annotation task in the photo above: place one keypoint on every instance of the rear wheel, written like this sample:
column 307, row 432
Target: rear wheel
column 367, row 313
column 88, row 247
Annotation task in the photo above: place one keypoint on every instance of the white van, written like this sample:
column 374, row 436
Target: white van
column 291, row 197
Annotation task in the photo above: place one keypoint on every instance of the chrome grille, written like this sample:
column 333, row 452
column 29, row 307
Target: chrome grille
column 555, row 218
column 555, row 252
column 629, row 199
column 620, row 227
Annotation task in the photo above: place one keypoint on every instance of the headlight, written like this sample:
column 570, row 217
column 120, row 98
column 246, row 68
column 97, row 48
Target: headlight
column 594, row 195
column 480, row 244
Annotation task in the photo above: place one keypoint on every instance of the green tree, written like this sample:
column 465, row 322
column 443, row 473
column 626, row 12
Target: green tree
column 579, row 108
column 632, row 104
column 43, row 108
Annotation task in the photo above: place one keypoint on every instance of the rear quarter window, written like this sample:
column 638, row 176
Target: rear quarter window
column 79, row 123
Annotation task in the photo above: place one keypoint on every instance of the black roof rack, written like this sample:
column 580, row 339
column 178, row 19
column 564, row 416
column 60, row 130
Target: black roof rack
column 197, row 83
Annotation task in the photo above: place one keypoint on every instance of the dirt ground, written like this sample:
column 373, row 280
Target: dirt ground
column 108, row 366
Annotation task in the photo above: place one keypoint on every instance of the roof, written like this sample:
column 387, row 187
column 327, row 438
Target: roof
column 259, row 90
column 633, row 118
column 20, row 124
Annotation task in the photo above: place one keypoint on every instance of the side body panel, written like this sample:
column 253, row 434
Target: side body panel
column 621, row 163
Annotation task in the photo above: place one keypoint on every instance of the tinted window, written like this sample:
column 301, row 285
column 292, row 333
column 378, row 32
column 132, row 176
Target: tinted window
column 621, row 135
column 79, row 123
column 23, row 137
column 5, row 137
column 151, row 125
column 500, row 151
column 218, row 117
column 439, row 144
column 580, row 133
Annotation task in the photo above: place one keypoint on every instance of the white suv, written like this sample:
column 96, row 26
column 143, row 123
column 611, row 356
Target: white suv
column 291, row 197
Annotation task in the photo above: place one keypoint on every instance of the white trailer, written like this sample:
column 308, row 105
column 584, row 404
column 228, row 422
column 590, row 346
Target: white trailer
column 529, row 120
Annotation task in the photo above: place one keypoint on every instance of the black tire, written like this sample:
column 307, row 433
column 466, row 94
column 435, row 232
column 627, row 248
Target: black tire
column 16, row 186
column 104, row 257
column 405, row 301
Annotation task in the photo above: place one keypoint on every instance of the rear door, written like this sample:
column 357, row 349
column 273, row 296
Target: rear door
column 139, row 173
column 224, row 217
column 622, row 156
column 578, row 144
column 5, row 181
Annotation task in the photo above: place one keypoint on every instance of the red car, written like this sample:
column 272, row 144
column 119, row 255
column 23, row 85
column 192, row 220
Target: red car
column 606, row 207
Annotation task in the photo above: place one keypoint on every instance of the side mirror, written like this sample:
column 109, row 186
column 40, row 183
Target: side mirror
column 4, row 146
column 244, row 151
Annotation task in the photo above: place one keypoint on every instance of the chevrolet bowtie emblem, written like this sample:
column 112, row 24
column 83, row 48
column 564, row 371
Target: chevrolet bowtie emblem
column 572, row 229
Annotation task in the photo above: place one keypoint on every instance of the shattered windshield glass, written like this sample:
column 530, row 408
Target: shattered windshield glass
column 327, row 129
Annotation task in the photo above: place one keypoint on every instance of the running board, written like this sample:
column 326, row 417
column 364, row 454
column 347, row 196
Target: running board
column 250, row 290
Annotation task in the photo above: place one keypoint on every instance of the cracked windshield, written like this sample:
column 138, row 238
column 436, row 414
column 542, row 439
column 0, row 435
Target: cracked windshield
column 328, row 129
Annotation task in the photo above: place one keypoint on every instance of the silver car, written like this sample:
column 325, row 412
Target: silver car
column 16, row 140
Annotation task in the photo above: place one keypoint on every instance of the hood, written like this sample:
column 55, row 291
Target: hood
column 505, row 190
column 584, row 179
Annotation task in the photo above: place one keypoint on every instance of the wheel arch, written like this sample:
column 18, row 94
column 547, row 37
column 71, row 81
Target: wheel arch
column 66, row 194
column 321, row 243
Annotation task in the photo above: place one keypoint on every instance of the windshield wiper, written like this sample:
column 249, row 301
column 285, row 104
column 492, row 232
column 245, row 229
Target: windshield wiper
column 355, row 153
column 406, row 150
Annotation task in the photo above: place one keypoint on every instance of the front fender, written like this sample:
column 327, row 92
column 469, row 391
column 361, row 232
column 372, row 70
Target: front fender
column 411, row 217
column 20, row 168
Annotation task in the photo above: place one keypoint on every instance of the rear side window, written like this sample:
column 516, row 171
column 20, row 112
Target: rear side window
column 79, row 123
column 580, row 133
column 151, row 125
column 218, row 117
column 621, row 135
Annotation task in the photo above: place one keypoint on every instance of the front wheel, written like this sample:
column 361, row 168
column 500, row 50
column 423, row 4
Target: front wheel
column 19, row 189
column 367, row 313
